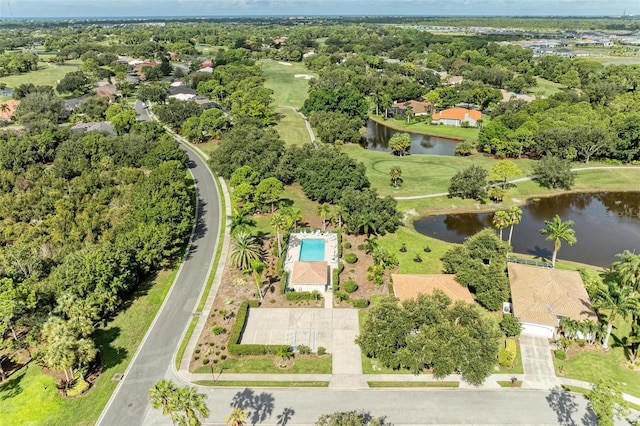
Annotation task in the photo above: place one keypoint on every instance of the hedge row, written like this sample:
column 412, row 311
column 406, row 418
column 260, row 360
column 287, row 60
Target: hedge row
column 236, row 348
column 339, row 244
column 284, row 276
column 303, row 295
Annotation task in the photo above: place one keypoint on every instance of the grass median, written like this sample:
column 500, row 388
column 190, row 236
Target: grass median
column 257, row 384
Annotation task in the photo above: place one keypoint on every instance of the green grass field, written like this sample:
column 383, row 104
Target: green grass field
column 46, row 75
column 30, row 397
column 421, row 174
column 452, row 132
column 291, row 127
column 265, row 365
column 288, row 90
column 544, row 87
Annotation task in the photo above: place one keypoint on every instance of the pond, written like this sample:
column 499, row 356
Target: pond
column 378, row 135
column 606, row 223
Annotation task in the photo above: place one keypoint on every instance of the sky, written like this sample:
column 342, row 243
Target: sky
column 175, row 8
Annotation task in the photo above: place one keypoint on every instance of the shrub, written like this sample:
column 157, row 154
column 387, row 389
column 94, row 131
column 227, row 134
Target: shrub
column 360, row 303
column 283, row 281
column 336, row 279
column 362, row 247
column 510, row 326
column 505, row 358
column 347, row 245
column 465, row 148
column 303, row 295
column 350, row 286
column 322, row 350
column 206, row 361
column 223, row 357
column 341, row 295
column 217, row 330
column 78, row 388
column 340, row 267
column 304, row 349
column 511, row 346
column 560, row 354
column 351, row 258
column 197, row 351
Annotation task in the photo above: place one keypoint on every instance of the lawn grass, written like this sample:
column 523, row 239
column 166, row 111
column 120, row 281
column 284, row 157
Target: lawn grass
column 507, row 384
column 451, row 132
column 185, row 341
column 421, row 174
column 544, row 87
column 257, row 384
column 288, row 90
column 31, row 397
column 46, row 75
column 265, row 365
column 291, row 127
column 591, row 366
column 438, row 384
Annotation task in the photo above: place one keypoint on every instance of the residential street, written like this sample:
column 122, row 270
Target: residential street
column 401, row 406
column 130, row 401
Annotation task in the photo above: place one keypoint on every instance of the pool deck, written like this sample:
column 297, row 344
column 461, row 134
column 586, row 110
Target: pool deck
column 330, row 248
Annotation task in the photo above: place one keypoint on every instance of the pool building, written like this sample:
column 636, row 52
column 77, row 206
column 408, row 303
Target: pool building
column 310, row 259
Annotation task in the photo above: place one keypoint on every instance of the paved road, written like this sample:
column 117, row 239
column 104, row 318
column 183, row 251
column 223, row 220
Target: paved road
column 153, row 361
column 143, row 114
column 401, row 406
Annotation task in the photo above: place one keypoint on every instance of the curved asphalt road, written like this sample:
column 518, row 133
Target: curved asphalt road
column 153, row 360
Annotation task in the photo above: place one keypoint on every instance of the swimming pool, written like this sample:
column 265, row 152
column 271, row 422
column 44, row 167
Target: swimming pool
column 312, row 250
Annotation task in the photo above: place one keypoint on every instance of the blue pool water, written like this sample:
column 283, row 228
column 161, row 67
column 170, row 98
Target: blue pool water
column 312, row 250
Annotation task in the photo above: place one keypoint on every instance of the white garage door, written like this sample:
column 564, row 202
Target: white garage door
column 537, row 330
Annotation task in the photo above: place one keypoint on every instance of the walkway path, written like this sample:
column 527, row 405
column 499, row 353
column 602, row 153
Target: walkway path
column 312, row 136
column 523, row 179
column 347, row 359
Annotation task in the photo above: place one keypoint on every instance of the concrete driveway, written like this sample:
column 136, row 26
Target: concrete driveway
column 536, row 362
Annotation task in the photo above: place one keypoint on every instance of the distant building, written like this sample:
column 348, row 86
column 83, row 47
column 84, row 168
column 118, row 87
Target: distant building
column 418, row 107
column 103, row 126
column 182, row 93
column 457, row 116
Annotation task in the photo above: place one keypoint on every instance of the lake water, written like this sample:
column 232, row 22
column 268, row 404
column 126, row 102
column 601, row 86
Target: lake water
column 377, row 138
column 606, row 223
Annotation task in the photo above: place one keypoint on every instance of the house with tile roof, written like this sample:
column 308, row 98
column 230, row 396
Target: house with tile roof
column 309, row 276
column 8, row 109
column 456, row 116
column 409, row 286
column 542, row 296
column 418, row 107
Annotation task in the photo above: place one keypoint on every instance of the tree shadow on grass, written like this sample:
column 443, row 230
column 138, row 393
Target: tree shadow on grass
column 258, row 406
column 11, row 387
column 110, row 355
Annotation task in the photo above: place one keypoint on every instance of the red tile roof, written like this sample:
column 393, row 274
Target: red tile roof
column 457, row 114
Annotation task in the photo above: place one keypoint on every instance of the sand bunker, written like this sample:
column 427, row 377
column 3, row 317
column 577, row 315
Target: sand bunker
column 305, row 76
column 285, row 63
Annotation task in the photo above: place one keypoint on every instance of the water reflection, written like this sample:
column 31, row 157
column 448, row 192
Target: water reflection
column 377, row 138
column 606, row 223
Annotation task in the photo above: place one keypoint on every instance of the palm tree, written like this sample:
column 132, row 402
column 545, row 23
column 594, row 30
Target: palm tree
column 238, row 417
column 256, row 268
column 337, row 214
column 409, row 113
column 295, row 214
column 376, row 98
column 515, row 216
column 628, row 267
column 556, row 231
column 279, row 224
column 631, row 343
column 616, row 298
column 367, row 223
column 324, row 210
column 245, row 249
column 241, row 220
column 85, row 352
column 395, row 174
column 500, row 221
column 163, row 395
column 193, row 404
column 386, row 102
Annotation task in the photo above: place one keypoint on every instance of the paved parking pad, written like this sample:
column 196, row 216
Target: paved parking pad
column 290, row 326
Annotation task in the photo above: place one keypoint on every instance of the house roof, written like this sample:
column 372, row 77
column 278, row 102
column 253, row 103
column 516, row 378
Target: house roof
column 207, row 63
column 181, row 90
column 11, row 104
column 103, row 126
column 417, row 106
column 408, row 286
column 457, row 114
column 507, row 96
column 540, row 295
column 310, row 273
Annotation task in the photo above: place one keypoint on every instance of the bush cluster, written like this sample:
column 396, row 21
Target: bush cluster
column 217, row 330
column 351, row 258
column 341, row 295
column 560, row 354
column 360, row 303
column 347, row 245
column 336, row 278
column 284, row 276
column 304, row 349
column 350, row 286
column 321, row 350
column 510, row 326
